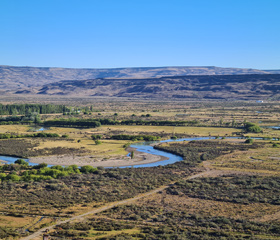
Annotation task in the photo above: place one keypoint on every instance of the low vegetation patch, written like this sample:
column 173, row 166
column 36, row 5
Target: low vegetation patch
column 34, row 135
column 197, row 151
column 24, row 148
column 21, row 171
column 166, row 223
column 237, row 189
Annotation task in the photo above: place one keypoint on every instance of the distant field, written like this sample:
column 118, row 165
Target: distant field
column 264, row 160
column 81, row 138
column 201, row 131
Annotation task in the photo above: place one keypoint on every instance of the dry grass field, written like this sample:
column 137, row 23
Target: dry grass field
column 265, row 160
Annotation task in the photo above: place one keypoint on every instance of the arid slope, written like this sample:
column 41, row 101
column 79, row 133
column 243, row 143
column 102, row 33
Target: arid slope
column 22, row 78
column 238, row 87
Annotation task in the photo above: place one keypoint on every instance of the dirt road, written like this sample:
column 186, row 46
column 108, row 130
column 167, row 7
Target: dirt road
column 97, row 210
column 207, row 172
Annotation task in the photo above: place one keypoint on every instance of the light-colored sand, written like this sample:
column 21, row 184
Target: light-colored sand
column 66, row 160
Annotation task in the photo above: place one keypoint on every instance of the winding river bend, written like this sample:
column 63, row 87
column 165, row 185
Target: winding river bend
column 146, row 147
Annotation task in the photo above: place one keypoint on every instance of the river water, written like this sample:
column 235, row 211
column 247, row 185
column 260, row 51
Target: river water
column 172, row 158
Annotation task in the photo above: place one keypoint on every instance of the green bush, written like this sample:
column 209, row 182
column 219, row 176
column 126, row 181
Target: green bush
column 21, row 162
column 249, row 140
column 88, row 169
column 3, row 176
column 96, row 137
column 13, row 177
column 252, row 127
column 41, row 165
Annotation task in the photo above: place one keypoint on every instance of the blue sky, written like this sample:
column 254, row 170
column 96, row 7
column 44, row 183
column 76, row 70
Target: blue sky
column 140, row 33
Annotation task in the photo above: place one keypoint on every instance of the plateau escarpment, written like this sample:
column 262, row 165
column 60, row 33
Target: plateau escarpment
column 25, row 77
column 241, row 87
column 149, row 82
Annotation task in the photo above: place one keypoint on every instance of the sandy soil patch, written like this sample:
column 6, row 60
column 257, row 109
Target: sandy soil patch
column 118, row 161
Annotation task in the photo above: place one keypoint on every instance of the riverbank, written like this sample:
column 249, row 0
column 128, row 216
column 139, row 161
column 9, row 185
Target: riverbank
column 139, row 158
column 144, row 156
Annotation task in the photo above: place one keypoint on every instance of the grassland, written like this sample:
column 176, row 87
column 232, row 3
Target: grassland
column 265, row 160
column 80, row 142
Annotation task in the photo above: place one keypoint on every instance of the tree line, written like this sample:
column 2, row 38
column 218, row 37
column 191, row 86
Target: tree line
column 33, row 135
column 249, row 127
column 22, row 109
column 107, row 121
column 73, row 122
column 135, row 137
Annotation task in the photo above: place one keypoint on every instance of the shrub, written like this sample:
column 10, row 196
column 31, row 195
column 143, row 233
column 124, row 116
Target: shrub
column 3, row 176
column 249, row 140
column 41, row 165
column 95, row 137
column 21, row 162
column 13, row 177
column 88, row 169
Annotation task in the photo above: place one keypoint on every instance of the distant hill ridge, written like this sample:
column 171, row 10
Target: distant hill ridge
column 223, row 87
column 274, row 71
column 16, row 78
column 143, row 82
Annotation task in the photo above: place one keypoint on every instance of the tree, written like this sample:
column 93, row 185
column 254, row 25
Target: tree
column 132, row 154
column 37, row 119
column 221, row 121
column 252, row 127
column 233, row 123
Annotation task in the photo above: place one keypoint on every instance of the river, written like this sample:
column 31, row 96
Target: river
column 141, row 147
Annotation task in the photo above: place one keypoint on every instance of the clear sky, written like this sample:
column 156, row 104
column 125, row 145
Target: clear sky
column 140, row 33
